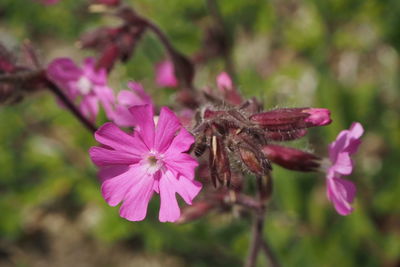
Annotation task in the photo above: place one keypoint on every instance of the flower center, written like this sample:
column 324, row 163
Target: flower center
column 154, row 163
column 84, row 85
column 152, row 160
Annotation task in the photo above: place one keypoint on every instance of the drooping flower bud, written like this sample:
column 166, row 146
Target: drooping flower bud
column 292, row 159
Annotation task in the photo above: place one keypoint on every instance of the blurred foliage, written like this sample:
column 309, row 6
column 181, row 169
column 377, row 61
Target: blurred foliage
column 338, row 54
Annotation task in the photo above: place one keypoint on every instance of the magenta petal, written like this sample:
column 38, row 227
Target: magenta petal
column 181, row 143
column 134, row 207
column 115, row 189
column 110, row 135
column 63, row 70
column 343, row 164
column 144, row 123
column 181, row 164
column 99, row 77
column 167, row 127
column 123, row 117
column 103, row 157
column 165, row 76
column 224, row 82
column 169, row 185
column 107, row 99
column 169, row 209
column 187, row 189
column 109, row 172
column 341, row 193
column 89, row 107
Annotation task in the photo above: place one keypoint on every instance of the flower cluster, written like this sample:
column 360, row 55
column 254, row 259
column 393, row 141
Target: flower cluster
column 238, row 135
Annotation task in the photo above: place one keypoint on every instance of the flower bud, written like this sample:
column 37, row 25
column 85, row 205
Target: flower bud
column 286, row 119
column 318, row 116
column 292, row 159
column 281, row 136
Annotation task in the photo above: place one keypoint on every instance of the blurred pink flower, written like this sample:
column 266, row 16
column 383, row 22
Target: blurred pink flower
column 339, row 191
column 86, row 84
column 129, row 98
column 165, row 75
column 229, row 91
column 152, row 159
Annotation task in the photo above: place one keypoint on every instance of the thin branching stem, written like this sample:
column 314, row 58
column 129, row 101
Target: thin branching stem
column 71, row 106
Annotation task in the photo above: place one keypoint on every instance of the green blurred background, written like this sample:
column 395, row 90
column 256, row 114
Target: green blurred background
column 338, row 54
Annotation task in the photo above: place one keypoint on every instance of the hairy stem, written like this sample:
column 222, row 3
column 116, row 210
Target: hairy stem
column 71, row 107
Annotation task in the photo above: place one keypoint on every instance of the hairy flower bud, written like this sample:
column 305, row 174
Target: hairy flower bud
column 292, row 159
column 286, row 119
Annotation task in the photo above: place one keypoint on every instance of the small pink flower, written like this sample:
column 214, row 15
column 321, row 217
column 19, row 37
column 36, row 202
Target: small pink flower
column 85, row 83
column 152, row 159
column 129, row 98
column 165, row 75
column 339, row 191
column 230, row 93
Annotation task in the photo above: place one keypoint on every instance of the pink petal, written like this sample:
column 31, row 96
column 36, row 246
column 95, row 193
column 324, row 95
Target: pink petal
column 89, row 107
column 169, row 186
column 165, row 76
column 169, row 209
column 107, row 99
column 63, row 70
column 110, row 135
column 343, row 164
column 144, row 123
column 355, row 132
column 181, row 164
column 137, row 96
column 134, row 207
column 181, row 143
column 109, row 172
column 123, row 117
column 114, row 190
column 98, row 77
column 224, row 82
column 104, row 157
column 167, row 127
column 341, row 193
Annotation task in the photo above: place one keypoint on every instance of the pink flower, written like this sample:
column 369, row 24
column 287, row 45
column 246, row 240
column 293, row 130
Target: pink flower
column 165, row 76
column 129, row 98
column 86, row 83
column 152, row 159
column 230, row 93
column 339, row 191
